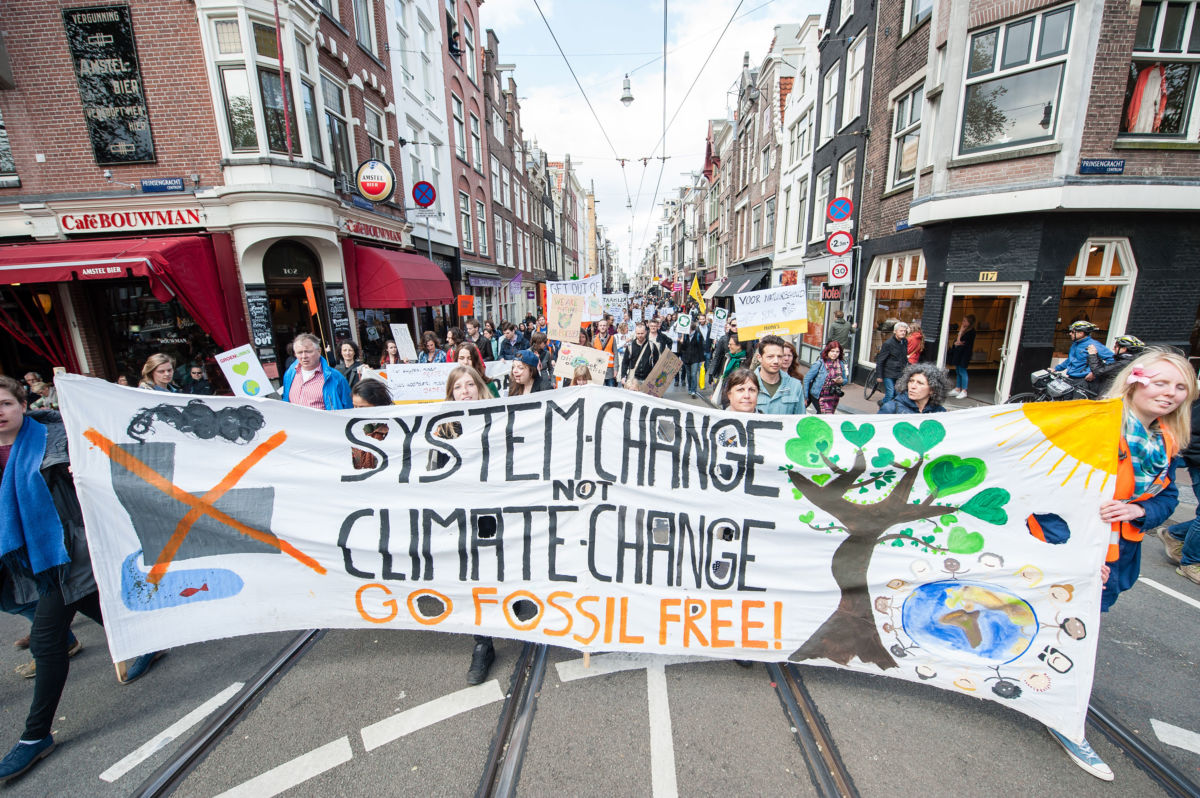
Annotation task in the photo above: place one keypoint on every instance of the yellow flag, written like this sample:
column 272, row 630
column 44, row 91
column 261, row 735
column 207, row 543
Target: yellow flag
column 695, row 294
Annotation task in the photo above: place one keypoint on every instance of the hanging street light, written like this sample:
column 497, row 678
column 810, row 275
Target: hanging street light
column 626, row 93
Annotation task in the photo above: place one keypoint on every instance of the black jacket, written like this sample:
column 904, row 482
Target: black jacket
column 691, row 348
column 1104, row 373
column 900, row 404
column 892, row 358
column 633, row 353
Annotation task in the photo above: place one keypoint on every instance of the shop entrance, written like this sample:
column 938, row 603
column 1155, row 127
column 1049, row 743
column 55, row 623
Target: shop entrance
column 999, row 311
column 296, row 294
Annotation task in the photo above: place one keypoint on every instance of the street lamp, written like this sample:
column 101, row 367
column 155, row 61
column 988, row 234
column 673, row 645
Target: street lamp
column 626, row 93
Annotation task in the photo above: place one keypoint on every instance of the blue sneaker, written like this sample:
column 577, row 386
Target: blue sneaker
column 22, row 757
column 131, row 670
column 1083, row 755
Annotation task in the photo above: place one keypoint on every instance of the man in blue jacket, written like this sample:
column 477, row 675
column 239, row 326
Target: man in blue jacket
column 319, row 385
column 778, row 393
column 1076, row 364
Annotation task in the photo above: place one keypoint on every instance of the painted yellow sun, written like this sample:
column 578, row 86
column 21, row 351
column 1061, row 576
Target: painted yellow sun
column 1074, row 435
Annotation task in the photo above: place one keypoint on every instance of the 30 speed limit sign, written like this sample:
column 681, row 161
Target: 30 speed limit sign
column 839, row 273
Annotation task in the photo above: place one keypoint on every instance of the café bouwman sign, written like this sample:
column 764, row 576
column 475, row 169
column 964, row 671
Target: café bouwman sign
column 110, row 83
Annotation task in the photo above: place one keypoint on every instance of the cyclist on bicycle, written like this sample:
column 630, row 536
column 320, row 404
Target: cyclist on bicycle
column 1076, row 364
column 1125, row 348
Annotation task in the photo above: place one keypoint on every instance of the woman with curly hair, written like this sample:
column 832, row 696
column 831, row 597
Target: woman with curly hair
column 921, row 388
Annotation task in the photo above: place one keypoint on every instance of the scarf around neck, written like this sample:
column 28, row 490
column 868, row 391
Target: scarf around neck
column 1147, row 453
column 31, row 534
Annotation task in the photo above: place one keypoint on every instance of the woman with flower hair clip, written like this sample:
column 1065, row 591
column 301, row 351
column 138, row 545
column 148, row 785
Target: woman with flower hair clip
column 1157, row 390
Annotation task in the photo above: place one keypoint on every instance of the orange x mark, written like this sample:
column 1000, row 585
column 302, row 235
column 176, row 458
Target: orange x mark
column 203, row 505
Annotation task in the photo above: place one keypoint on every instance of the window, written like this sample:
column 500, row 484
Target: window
column 766, row 161
column 427, row 47
column 460, row 131
column 435, row 157
column 328, row 7
column 504, row 198
column 855, row 58
column 793, row 141
column 312, row 120
column 336, row 128
column 481, row 217
column 756, row 227
column 376, row 133
column 847, row 8
column 803, row 134
column 801, row 210
column 508, row 243
column 476, row 144
column 1162, row 75
column 820, row 201
column 829, row 103
column 918, row 12
column 769, row 229
column 464, row 219
column 364, row 24
column 845, row 176
column 468, row 44
column 1013, row 87
column 228, row 36
column 495, row 178
column 895, row 290
column 497, row 125
column 8, row 165
column 416, row 170
column 906, row 136
column 1098, row 287
column 239, row 109
column 272, row 100
column 499, row 225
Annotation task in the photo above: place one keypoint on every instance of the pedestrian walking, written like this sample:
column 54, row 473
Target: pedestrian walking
column 891, row 360
column 823, row 385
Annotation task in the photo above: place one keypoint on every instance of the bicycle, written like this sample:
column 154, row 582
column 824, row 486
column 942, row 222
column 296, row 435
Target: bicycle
column 870, row 387
column 1049, row 387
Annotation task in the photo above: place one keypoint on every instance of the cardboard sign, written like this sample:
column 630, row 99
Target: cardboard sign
column 404, row 342
column 662, row 375
column 717, row 325
column 572, row 355
column 589, row 287
column 564, row 316
column 418, row 382
column 244, row 372
column 976, row 547
column 773, row 311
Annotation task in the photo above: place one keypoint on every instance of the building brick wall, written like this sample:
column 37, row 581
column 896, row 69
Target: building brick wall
column 44, row 115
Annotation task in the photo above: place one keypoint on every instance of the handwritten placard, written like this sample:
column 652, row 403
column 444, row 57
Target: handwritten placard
column 564, row 316
column 418, row 382
column 404, row 342
column 572, row 355
column 774, row 311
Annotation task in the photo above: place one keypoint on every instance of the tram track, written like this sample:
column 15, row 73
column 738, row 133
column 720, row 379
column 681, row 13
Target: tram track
column 826, row 767
column 502, row 769
column 1155, row 765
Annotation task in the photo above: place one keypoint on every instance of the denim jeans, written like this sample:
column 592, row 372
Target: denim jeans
column 48, row 642
column 889, row 389
column 1189, row 531
column 693, row 377
column 960, row 377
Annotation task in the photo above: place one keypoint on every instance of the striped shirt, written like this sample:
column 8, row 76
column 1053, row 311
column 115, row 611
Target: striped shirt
column 308, row 392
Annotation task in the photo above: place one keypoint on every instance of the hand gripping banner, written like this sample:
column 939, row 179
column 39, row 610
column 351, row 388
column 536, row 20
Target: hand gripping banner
column 961, row 550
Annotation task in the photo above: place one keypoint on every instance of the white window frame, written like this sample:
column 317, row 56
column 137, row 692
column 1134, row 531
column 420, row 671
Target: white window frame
column 1184, row 56
column 499, row 225
column 476, row 143
column 916, row 13
column 821, row 199
column 845, row 11
column 365, row 27
column 908, row 104
column 484, row 227
column 856, row 58
column 829, row 98
column 998, row 71
column 888, row 273
column 376, row 139
column 1124, row 281
column 468, row 39
column 344, row 118
column 846, row 167
column 465, row 221
column 801, row 210
column 786, row 218
column 769, row 222
column 458, row 113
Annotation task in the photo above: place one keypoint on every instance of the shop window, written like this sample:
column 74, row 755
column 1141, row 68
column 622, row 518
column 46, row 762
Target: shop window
column 1098, row 287
column 895, row 291
column 337, row 129
column 906, row 136
column 1162, row 84
column 1012, row 92
column 139, row 325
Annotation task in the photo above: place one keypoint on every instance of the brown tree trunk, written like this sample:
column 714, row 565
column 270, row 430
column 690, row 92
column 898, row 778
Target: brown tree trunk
column 850, row 630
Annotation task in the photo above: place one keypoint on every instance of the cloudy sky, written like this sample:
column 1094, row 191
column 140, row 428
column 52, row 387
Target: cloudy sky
column 603, row 41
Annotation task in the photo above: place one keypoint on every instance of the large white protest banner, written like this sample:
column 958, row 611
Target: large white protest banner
column 418, row 382
column 589, row 288
column 773, row 311
column 572, row 355
column 962, row 550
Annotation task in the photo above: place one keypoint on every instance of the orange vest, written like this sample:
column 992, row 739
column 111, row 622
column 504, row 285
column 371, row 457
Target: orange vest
column 1124, row 490
column 608, row 347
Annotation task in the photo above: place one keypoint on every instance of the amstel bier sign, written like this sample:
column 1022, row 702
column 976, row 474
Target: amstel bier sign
column 374, row 180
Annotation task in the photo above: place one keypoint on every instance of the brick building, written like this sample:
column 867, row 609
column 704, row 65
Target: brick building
column 155, row 196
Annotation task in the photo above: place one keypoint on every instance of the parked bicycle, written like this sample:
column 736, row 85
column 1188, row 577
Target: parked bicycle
column 1051, row 387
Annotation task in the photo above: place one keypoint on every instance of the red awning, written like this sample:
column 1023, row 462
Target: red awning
column 183, row 268
column 385, row 278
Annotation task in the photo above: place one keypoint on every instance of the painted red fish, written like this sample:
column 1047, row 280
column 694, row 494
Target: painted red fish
column 188, row 592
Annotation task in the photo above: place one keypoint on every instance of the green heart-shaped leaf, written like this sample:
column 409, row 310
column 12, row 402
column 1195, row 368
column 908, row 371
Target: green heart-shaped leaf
column 948, row 519
column 807, row 517
column 241, row 368
column 813, row 436
column 821, row 479
column 859, row 436
column 920, row 440
column 883, row 458
column 988, row 505
column 963, row 542
column 951, row 474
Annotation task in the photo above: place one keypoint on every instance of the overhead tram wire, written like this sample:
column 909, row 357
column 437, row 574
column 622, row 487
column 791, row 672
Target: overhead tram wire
column 575, row 77
column 663, row 140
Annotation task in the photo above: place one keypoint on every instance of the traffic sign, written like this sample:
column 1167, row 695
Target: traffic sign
column 839, row 273
column 423, row 193
column 841, row 209
column 839, row 243
column 833, row 227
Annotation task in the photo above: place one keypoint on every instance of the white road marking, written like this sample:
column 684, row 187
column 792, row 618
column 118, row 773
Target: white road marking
column 297, row 771
column 161, row 740
column 617, row 661
column 1170, row 592
column 662, row 744
column 1173, row 735
column 429, row 713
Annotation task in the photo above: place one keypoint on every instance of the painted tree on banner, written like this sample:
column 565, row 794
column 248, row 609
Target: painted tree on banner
column 859, row 504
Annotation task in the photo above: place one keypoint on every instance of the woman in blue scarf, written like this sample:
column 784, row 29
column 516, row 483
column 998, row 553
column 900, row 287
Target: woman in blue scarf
column 44, row 559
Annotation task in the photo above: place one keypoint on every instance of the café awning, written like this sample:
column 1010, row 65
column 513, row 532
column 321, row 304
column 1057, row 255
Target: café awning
column 387, row 278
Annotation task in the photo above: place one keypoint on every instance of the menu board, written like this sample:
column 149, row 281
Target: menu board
column 260, row 316
column 100, row 39
column 335, row 296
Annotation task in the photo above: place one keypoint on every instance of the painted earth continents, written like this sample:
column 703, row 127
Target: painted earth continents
column 957, row 618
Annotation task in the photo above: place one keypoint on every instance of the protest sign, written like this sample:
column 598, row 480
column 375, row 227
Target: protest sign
column 589, row 288
column 614, row 305
column 418, row 382
column 637, row 315
column 660, row 377
column 244, row 372
column 719, row 316
column 572, row 355
column 497, row 369
column 650, row 312
column 683, row 324
column 404, row 342
column 564, row 316
column 965, row 556
column 773, row 311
